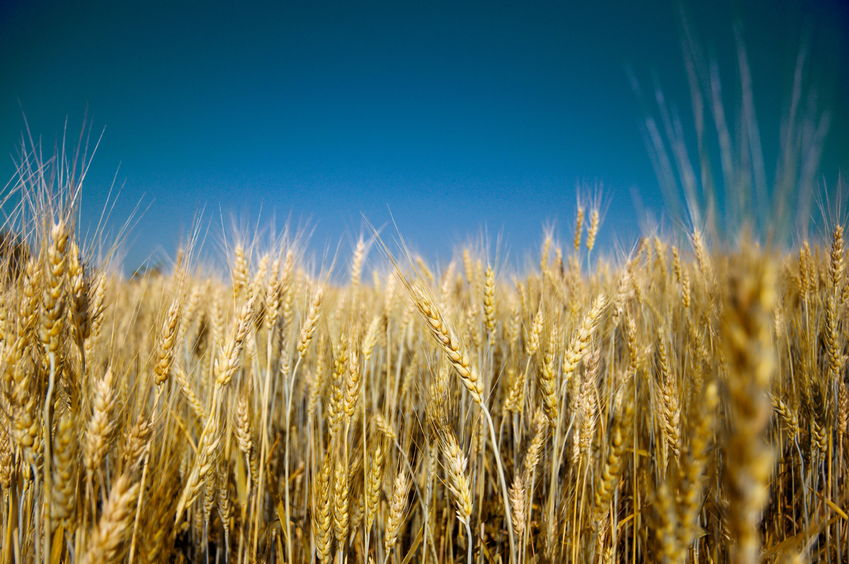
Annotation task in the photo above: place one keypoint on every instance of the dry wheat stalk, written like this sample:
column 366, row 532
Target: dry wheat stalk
column 750, row 361
column 107, row 540
column 397, row 509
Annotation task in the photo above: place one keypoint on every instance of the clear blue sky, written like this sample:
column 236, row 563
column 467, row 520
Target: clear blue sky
column 458, row 117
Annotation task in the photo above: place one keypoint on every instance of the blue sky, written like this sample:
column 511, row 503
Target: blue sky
column 458, row 117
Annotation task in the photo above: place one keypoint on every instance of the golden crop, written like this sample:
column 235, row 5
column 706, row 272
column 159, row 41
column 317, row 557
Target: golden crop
column 684, row 404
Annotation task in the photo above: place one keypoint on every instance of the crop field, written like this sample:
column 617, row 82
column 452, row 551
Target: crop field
column 686, row 402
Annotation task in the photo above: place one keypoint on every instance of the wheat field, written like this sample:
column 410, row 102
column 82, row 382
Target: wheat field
column 681, row 403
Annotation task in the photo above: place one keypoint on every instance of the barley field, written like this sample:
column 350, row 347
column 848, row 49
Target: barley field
column 685, row 401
